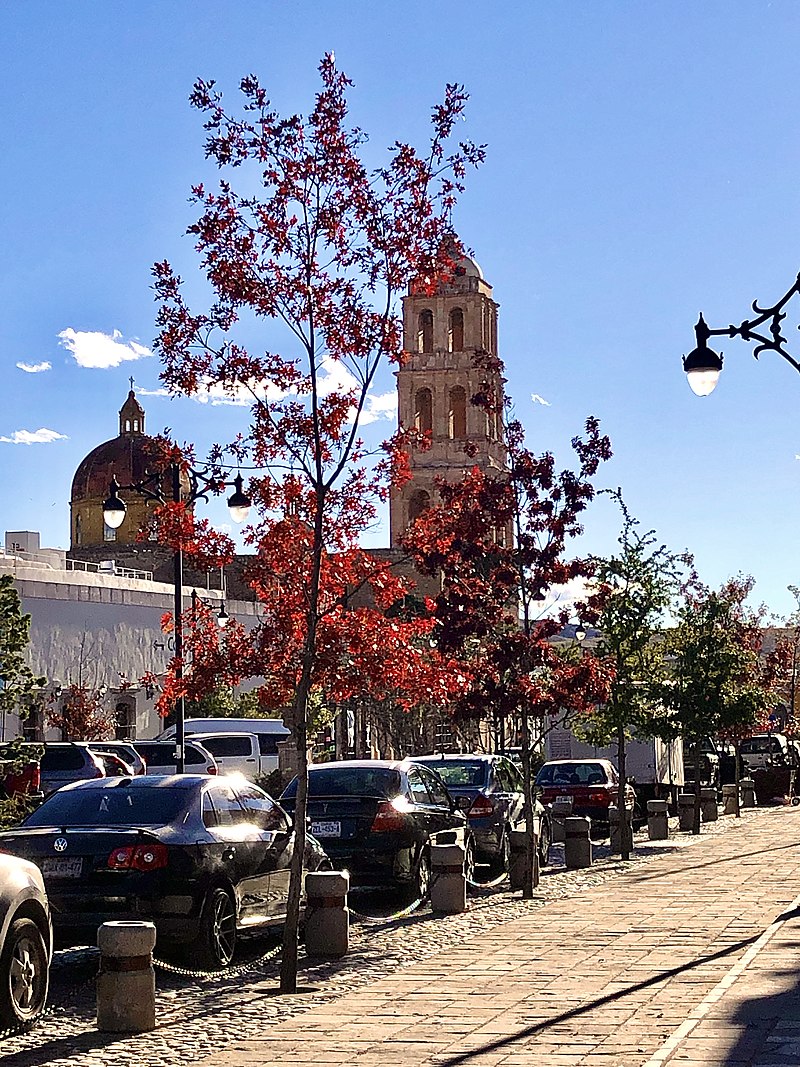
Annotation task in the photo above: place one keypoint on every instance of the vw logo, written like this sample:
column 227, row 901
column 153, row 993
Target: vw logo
column 60, row 844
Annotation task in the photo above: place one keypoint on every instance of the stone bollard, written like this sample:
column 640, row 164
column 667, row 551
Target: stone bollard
column 448, row 880
column 748, row 792
column 561, row 809
column 708, row 804
column 729, row 798
column 126, row 981
column 657, row 820
column 577, row 843
column 614, row 829
column 519, row 848
column 686, row 811
column 327, row 923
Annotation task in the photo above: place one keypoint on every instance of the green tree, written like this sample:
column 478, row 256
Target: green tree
column 635, row 589
column 18, row 684
column 719, row 684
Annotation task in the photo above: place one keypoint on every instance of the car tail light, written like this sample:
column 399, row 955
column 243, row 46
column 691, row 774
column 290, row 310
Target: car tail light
column 599, row 798
column 481, row 807
column 211, row 770
column 391, row 815
column 138, row 858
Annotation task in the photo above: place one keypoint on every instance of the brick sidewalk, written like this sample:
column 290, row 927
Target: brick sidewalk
column 675, row 961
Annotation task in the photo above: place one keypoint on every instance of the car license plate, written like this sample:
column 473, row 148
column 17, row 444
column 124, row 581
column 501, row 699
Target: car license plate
column 62, row 866
column 327, row 828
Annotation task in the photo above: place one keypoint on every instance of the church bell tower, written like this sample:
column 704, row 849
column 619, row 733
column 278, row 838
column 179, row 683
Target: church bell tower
column 443, row 335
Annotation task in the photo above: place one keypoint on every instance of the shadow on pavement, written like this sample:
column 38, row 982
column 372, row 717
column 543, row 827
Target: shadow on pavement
column 585, row 1009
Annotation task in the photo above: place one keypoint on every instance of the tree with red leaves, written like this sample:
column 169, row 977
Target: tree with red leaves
column 78, row 712
column 323, row 245
column 498, row 542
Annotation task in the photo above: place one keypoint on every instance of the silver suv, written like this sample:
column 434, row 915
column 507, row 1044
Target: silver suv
column 26, row 942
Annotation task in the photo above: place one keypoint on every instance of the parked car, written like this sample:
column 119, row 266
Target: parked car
column 20, row 774
column 123, row 750
column 201, row 857
column 767, row 750
column 26, row 942
column 159, row 757
column 236, row 753
column 490, row 789
column 270, row 733
column 377, row 819
column 593, row 785
column 63, row 762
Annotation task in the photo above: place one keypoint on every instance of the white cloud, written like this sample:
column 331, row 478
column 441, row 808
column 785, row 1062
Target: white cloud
column 560, row 598
column 540, row 400
column 382, row 406
column 35, row 368
column 97, row 350
column 152, row 392
column 42, row 436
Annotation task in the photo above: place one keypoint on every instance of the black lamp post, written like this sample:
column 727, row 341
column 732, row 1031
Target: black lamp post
column 201, row 483
column 703, row 365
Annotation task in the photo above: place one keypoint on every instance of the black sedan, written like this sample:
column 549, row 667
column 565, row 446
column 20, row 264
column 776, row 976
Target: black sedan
column 376, row 818
column 491, row 791
column 199, row 856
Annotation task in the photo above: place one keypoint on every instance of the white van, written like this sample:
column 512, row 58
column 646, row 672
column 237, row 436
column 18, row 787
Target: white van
column 268, row 731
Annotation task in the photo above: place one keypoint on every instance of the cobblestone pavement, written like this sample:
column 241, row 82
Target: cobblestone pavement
column 199, row 1019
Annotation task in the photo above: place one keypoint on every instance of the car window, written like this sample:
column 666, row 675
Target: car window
column 416, row 784
column 502, row 777
column 268, row 744
column 261, row 809
column 460, row 772
column 68, row 758
column 228, row 745
column 436, row 789
column 115, row 806
column 514, row 777
column 336, row 781
column 580, row 774
column 226, row 805
column 194, row 756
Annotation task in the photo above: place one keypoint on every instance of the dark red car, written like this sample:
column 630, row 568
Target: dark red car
column 592, row 783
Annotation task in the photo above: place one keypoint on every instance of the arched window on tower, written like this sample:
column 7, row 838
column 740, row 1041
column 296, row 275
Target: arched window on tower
column 425, row 331
column 420, row 501
column 455, row 331
column 423, row 410
column 458, row 413
column 127, row 426
column 78, row 529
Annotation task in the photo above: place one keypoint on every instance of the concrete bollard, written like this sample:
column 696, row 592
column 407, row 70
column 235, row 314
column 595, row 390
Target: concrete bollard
column 729, row 798
column 577, row 844
column 614, row 828
column 686, row 811
column 448, row 880
column 126, row 981
column 327, row 924
column 748, row 787
column 561, row 809
column 708, row 804
column 519, row 848
column 657, row 820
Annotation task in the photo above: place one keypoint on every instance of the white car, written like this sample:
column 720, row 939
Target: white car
column 26, row 942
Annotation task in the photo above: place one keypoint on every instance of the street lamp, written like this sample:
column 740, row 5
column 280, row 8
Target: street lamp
column 703, row 366
column 201, row 483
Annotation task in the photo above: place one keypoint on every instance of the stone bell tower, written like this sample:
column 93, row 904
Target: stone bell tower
column 443, row 334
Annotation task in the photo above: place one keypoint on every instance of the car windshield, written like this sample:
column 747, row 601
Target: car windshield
column 572, row 774
column 459, row 772
column 110, row 807
column 761, row 744
column 350, row 782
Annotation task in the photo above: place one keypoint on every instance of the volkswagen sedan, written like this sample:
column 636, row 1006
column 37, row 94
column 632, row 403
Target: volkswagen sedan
column 201, row 857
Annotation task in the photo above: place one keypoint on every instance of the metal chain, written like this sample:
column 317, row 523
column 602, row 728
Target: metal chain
column 404, row 913
column 224, row 972
column 488, row 885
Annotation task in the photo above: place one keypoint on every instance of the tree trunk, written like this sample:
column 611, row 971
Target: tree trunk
column 530, row 837
column 288, row 978
column 696, row 817
column 625, row 835
column 737, row 774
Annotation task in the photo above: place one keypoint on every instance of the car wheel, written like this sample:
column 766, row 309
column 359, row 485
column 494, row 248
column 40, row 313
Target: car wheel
column 503, row 859
column 217, row 940
column 24, row 974
column 469, row 860
column 422, row 877
column 545, row 840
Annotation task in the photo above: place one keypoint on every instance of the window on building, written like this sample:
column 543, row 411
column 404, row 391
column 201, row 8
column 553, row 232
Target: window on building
column 458, row 412
column 109, row 533
column 78, row 529
column 127, row 426
column 420, row 501
column 125, row 721
column 423, row 410
column 455, row 332
column 425, row 331
column 135, row 425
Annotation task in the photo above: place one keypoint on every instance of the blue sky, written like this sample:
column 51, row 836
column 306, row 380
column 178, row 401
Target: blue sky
column 642, row 166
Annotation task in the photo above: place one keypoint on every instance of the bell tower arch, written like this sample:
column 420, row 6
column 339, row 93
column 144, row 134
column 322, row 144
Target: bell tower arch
column 443, row 335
